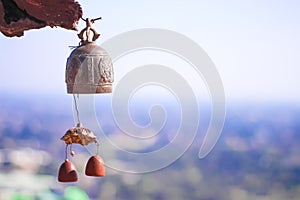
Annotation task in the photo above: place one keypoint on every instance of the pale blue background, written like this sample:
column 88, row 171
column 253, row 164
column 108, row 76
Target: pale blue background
column 254, row 44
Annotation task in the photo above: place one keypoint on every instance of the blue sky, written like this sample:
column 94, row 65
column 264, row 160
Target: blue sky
column 254, row 44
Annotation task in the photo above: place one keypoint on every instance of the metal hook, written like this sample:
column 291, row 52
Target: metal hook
column 87, row 30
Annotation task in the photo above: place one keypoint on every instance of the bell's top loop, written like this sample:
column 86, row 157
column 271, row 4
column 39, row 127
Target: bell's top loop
column 87, row 30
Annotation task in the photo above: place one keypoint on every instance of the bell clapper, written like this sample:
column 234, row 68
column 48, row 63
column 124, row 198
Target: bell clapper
column 72, row 153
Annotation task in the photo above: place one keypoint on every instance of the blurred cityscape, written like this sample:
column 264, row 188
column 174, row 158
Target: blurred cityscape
column 256, row 158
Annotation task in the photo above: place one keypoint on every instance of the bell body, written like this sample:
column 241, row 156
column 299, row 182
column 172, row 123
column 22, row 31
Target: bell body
column 95, row 167
column 67, row 172
column 89, row 70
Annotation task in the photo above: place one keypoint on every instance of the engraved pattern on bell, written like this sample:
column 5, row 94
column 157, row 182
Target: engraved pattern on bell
column 79, row 135
column 107, row 75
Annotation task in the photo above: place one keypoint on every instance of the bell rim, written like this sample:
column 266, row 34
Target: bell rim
column 88, row 88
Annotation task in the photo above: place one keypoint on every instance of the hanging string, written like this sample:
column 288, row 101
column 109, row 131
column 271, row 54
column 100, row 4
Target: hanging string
column 97, row 144
column 78, row 119
column 66, row 151
column 76, row 108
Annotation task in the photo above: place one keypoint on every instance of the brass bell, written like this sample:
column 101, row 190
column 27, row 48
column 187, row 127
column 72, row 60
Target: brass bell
column 89, row 68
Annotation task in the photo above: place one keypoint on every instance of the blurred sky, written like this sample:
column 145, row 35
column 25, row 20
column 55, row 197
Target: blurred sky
column 255, row 44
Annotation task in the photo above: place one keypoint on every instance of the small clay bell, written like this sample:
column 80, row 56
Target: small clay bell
column 95, row 167
column 67, row 172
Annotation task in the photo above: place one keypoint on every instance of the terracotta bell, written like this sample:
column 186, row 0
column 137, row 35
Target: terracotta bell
column 67, row 172
column 95, row 167
column 89, row 68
